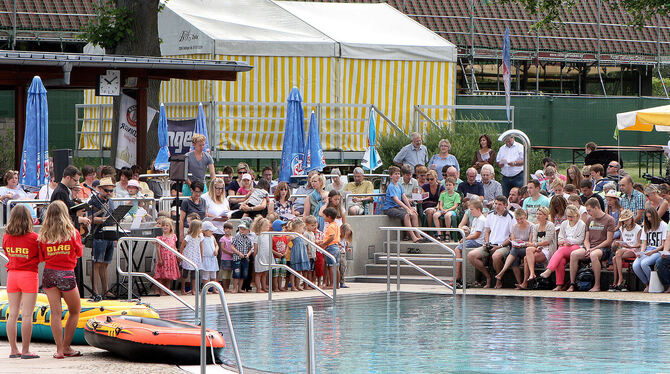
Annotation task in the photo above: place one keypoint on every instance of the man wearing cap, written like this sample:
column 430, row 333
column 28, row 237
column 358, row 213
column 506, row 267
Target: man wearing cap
column 359, row 186
column 103, row 250
column 510, row 158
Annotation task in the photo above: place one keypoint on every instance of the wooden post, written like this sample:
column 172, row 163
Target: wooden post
column 142, row 125
column 19, row 123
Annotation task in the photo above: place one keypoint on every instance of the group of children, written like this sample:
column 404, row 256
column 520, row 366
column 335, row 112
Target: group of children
column 250, row 255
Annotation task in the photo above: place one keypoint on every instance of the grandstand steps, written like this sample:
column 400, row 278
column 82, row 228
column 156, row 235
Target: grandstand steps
column 405, row 279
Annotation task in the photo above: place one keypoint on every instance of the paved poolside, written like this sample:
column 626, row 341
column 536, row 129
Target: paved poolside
column 98, row 360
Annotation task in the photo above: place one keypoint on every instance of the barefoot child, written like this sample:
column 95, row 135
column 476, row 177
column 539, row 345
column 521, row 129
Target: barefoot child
column 209, row 252
column 330, row 244
column 226, row 266
column 191, row 248
column 311, row 251
column 263, row 257
column 626, row 247
column 279, row 250
column 299, row 259
column 242, row 248
column 312, row 225
column 345, row 246
column 167, row 268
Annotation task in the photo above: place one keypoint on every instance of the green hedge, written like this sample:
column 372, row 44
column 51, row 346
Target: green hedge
column 464, row 141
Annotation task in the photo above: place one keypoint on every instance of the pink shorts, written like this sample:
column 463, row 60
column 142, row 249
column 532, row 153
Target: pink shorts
column 22, row 281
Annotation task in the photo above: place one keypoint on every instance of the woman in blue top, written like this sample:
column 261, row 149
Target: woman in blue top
column 316, row 198
column 442, row 159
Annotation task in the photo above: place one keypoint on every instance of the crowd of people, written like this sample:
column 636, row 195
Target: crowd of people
column 592, row 216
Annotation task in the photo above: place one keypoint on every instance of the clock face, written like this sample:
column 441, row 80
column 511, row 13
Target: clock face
column 110, row 83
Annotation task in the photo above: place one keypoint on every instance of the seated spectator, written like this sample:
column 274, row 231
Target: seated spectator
column 443, row 158
column 256, row 199
column 282, row 205
column 475, row 239
column 597, row 177
column 306, row 189
column 558, row 187
column 628, row 246
column 12, row 190
column 359, row 186
column 550, row 175
column 557, row 206
column 653, row 236
column 413, row 154
column 638, row 187
column 121, row 188
column 106, row 171
column 228, row 180
column 514, row 202
column 569, row 190
column 451, row 172
column 587, row 192
column 534, row 201
column 144, row 187
column 242, row 168
column 48, row 188
column 246, row 185
column 492, row 188
column 409, row 185
column 632, row 199
column 421, row 174
column 470, row 186
column 577, row 202
column 396, row 204
column 485, row 154
column 519, row 237
column 542, row 247
column 656, row 201
column 268, row 175
column 613, row 209
column 88, row 172
column 447, row 207
column 335, row 182
column 496, row 239
column 614, row 171
column 317, row 199
column 570, row 238
column 597, row 242
column 335, row 202
column 662, row 267
column 433, row 189
column 574, row 176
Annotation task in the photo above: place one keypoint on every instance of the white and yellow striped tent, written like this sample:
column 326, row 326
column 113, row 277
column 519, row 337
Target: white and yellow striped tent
column 342, row 57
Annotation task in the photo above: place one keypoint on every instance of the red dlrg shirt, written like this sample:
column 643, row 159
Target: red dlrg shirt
column 63, row 255
column 22, row 251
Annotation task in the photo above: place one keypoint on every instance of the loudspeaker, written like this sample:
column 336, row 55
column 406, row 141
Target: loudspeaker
column 178, row 168
column 62, row 158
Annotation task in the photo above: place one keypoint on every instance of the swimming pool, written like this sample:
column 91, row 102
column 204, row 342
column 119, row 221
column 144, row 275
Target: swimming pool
column 426, row 333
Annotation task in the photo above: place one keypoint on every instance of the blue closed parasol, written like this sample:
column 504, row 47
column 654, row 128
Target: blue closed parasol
column 313, row 151
column 35, row 156
column 162, row 158
column 293, row 147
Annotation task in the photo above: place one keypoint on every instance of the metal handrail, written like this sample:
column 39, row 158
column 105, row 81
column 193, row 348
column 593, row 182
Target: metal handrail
column 420, row 269
column 272, row 234
column 421, row 232
column 203, row 326
column 170, row 199
column 130, row 274
column 310, row 349
column 418, row 112
column 2, row 256
column 10, row 204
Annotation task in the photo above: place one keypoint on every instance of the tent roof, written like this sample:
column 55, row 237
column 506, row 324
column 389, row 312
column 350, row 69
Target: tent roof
column 281, row 28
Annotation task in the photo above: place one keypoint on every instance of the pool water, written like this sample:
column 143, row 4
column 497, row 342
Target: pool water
column 427, row 333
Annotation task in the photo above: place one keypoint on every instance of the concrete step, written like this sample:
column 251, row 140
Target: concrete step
column 380, row 269
column 418, row 259
column 424, row 247
column 404, row 279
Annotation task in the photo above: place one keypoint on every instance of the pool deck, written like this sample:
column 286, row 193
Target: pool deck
column 97, row 360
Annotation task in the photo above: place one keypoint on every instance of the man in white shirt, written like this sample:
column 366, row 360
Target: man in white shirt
column 510, row 159
column 413, row 154
column 496, row 238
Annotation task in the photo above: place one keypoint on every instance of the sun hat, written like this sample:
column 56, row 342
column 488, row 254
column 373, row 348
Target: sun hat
column 208, row 226
column 105, row 182
column 246, row 176
column 133, row 183
column 612, row 193
column 625, row 215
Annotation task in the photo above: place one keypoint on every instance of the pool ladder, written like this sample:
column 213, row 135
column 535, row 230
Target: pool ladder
column 421, row 232
column 203, row 327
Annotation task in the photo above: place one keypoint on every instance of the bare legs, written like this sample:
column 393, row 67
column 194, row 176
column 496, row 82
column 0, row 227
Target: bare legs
column 63, row 337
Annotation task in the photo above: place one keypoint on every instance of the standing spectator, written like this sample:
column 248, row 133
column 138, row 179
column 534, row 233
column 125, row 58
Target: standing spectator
column 442, row 159
column 409, row 185
column 590, row 147
column 632, row 199
column 199, row 162
column 574, row 176
column 492, row 188
column 534, row 201
column 317, row 198
column 396, row 204
column 63, row 193
column 656, row 201
column 359, row 186
column 413, row 154
column 510, row 159
column 335, row 183
column 600, row 229
column 471, row 186
column 218, row 206
column 485, row 154
column 335, row 202
column 103, row 250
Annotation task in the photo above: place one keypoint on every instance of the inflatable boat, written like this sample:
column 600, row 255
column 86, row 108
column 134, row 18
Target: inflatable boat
column 41, row 317
column 152, row 339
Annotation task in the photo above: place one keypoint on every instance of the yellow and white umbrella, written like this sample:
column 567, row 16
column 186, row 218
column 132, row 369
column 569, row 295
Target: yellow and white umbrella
column 657, row 118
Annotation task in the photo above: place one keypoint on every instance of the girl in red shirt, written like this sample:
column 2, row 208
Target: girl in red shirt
column 60, row 246
column 20, row 245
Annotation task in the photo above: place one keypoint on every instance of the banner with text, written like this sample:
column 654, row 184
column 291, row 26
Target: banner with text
column 179, row 135
column 126, row 147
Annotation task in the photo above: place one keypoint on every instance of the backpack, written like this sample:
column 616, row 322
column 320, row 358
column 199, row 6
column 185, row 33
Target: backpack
column 585, row 279
column 540, row 283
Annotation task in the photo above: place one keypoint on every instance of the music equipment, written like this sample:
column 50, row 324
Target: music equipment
column 178, row 168
column 61, row 159
column 110, row 232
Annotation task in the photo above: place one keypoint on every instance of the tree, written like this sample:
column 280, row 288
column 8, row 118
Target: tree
column 129, row 27
column 550, row 10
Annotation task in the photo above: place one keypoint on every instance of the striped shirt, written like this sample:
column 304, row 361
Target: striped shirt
column 634, row 202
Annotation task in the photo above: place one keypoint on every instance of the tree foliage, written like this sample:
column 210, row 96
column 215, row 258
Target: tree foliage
column 110, row 27
column 549, row 11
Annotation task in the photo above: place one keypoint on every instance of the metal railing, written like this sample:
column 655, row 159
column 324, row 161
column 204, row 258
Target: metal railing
column 2, row 256
column 11, row 203
column 272, row 234
column 310, row 352
column 203, row 327
column 349, row 196
column 421, row 119
column 421, row 231
column 128, row 200
column 165, row 202
column 130, row 273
